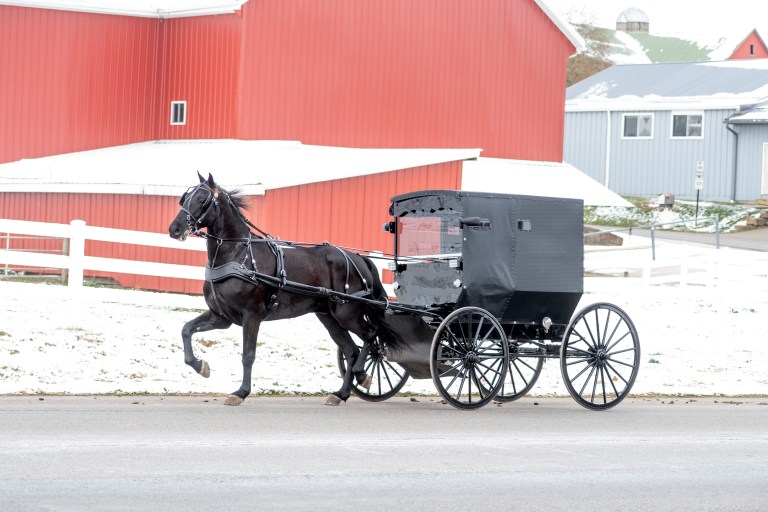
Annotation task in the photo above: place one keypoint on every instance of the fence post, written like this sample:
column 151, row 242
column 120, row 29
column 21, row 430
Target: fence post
column 76, row 254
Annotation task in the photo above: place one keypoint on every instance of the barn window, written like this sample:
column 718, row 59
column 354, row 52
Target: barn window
column 178, row 112
column 751, row 49
column 637, row 126
column 688, row 125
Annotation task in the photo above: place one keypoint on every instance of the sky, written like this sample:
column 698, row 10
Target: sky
column 699, row 20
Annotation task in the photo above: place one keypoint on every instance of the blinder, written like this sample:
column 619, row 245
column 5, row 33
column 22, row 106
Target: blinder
column 186, row 203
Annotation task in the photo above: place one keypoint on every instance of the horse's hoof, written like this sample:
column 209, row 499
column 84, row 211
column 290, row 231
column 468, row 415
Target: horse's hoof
column 233, row 400
column 332, row 400
column 205, row 370
column 367, row 383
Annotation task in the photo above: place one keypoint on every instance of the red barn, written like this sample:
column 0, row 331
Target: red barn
column 397, row 74
column 752, row 47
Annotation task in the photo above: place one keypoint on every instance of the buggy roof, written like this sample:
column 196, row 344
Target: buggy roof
column 436, row 200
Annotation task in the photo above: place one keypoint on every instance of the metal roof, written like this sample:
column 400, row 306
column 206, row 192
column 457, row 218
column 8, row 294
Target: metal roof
column 187, row 8
column 752, row 114
column 699, row 85
column 139, row 8
column 168, row 167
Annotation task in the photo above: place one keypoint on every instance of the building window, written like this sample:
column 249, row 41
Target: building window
column 178, row 112
column 688, row 125
column 637, row 126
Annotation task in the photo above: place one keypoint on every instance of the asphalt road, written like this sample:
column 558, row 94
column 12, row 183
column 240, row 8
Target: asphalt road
column 193, row 453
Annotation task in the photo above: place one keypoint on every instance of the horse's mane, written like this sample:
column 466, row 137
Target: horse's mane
column 237, row 198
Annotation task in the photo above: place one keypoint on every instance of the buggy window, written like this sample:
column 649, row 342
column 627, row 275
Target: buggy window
column 429, row 235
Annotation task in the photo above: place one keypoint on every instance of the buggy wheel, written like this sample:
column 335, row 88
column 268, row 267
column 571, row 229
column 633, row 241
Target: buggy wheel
column 469, row 357
column 387, row 378
column 523, row 370
column 600, row 356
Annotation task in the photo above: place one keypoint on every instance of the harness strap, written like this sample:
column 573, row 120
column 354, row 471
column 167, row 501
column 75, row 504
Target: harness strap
column 348, row 260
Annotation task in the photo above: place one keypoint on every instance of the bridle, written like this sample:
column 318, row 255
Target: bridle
column 211, row 202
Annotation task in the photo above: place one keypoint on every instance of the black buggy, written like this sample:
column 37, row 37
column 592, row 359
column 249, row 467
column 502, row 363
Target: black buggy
column 486, row 287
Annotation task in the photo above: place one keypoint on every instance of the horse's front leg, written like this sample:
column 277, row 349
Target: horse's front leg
column 250, row 335
column 205, row 322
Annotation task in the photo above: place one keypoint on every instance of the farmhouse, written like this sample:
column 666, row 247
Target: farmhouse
column 321, row 111
column 680, row 128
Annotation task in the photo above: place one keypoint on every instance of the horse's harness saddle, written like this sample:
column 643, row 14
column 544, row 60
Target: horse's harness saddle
column 240, row 270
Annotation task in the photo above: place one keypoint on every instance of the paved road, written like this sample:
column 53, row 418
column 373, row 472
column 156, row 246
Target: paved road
column 754, row 240
column 192, row 453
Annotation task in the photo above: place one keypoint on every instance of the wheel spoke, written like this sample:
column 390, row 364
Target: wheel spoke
column 610, row 379
column 618, row 374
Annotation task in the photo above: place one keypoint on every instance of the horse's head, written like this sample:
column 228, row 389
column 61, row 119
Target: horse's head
column 199, row 208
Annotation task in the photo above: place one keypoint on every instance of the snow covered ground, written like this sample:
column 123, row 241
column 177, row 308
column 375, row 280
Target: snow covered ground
column 701, row 314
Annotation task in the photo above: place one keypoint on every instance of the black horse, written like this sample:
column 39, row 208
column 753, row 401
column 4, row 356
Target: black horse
column 247, row 283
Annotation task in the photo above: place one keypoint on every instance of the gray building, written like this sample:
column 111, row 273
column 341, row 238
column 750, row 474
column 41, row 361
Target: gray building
column 647, row 129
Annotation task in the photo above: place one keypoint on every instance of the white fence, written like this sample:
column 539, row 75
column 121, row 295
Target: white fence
column 76, row 262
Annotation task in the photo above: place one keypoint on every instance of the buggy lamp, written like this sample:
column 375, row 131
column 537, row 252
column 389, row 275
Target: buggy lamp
column 457, row 283
column 546, row 322
column 391, row 266
column 395, row 285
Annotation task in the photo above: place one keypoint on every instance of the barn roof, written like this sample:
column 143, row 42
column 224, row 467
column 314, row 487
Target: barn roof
column 687, row 85
column 185, row 8
column 752, row 114
column 140, row 8
column 169, row 167
column 530, row 178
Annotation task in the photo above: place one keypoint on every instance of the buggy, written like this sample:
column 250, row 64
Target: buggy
column 486, row 287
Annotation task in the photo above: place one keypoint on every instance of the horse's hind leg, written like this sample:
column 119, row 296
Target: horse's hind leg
column 347, row 345
column 205, row 322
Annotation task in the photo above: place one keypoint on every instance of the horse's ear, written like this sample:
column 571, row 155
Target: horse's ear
column 202, row 180
column 210, row 181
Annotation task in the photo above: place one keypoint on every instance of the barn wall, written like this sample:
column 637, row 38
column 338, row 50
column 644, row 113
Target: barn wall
column 648, row 167
column 391, row 73
column 347, row 212
column 199, row 64
column 73, row 81
column 405, row 73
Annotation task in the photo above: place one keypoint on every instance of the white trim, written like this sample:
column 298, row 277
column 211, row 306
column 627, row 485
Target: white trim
column 566, row 28
column 624, row 115
column 685, row 113
column 140, row 8
column 184, row 112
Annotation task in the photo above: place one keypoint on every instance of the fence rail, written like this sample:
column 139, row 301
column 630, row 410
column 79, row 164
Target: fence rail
column 652, row 228
column 76, row 262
